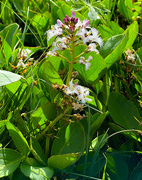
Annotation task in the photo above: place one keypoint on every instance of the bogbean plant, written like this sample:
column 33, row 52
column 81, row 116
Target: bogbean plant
column 62, row 108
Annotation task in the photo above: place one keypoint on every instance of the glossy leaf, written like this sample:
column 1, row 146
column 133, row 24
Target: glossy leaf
column 18, row 139
column 97, row 123
column 50, row 74
column 62, row 161
column 70, row 139
column 125, row 7
column 37, row 151
column 96, row 70
column 5, row 53
column 117, row 167
column 113, row 48
column 99, row 142
column 7, row 77
column 133, row 32
column 123, row 111
column 9, row 33
column 36, row 171
column 9, row 161
column 46, row 112
column 136, row 173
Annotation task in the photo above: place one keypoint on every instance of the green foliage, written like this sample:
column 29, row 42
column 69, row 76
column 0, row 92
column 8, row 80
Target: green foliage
column 7, row 77
column 46, row 131
column 9, row 161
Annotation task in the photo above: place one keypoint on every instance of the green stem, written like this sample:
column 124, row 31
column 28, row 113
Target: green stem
column 107, row 88
column 64, row 58
column 72, row 60
column 53, row 123
column 47, row 146
column 80, row 54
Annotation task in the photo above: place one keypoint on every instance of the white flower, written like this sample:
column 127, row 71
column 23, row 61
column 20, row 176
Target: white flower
column 80, row 91
column 82, row 94
column 60, row 44
column 92, row 36
column 86, row 62
column 92, row 47
column 71, row 88
column 82, row 33
column 95, row 37
column 84, row 24
column 54, row 31
column 50, row 53
column 21, row 64
column 24, row 53
column 130, row 56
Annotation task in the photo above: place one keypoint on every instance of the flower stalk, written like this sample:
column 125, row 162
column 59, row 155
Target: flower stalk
column 72, row 60
column 53, row 122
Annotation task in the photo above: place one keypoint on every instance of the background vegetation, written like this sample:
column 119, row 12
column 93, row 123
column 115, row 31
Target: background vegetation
column 41, row 137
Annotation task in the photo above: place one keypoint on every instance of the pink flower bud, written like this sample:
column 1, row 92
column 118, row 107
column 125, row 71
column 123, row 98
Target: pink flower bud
column 67, row 17
column 76, row 21
column 59, row 22
column 87, row 23
column 65, row 20
column 73, row 14
column 71, row 29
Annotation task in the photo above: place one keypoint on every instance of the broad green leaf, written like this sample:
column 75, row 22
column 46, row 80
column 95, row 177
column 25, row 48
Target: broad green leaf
column 66, row 10
column 19, row 92
column 46, row 112
column 39, row 98
column 136, row 173
column 9, row 161
column 70, row 139
column 96, row 69
column 105, row 31
column 98, row 142
column 123, row 111
column 19, row 175
column 7, row 16
column 37, row 151
column 7, row 77
column 116, row 28
column 55, row 61
column 50, row 74
column 5, row 52
column 113, row 48
column 41, row 22
column 2, row 125
column 133, row 32
column 125, row 8
column 98, row 164
column 18, row 139
column 62, row 161
column 9, row 33
column 97, row 123
column 117, row 167
column 36, row 171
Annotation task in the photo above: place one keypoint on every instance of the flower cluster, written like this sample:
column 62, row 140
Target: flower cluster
column 81, row 92
column 86, row 62
column 23, row 55
column 82, row 33
column 130, row 56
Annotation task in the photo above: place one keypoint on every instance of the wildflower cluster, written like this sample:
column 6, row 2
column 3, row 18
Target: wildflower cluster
column 67, row 35
column 22, row 56
column 80, row 91
column 72, row 29
column 130, row 56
